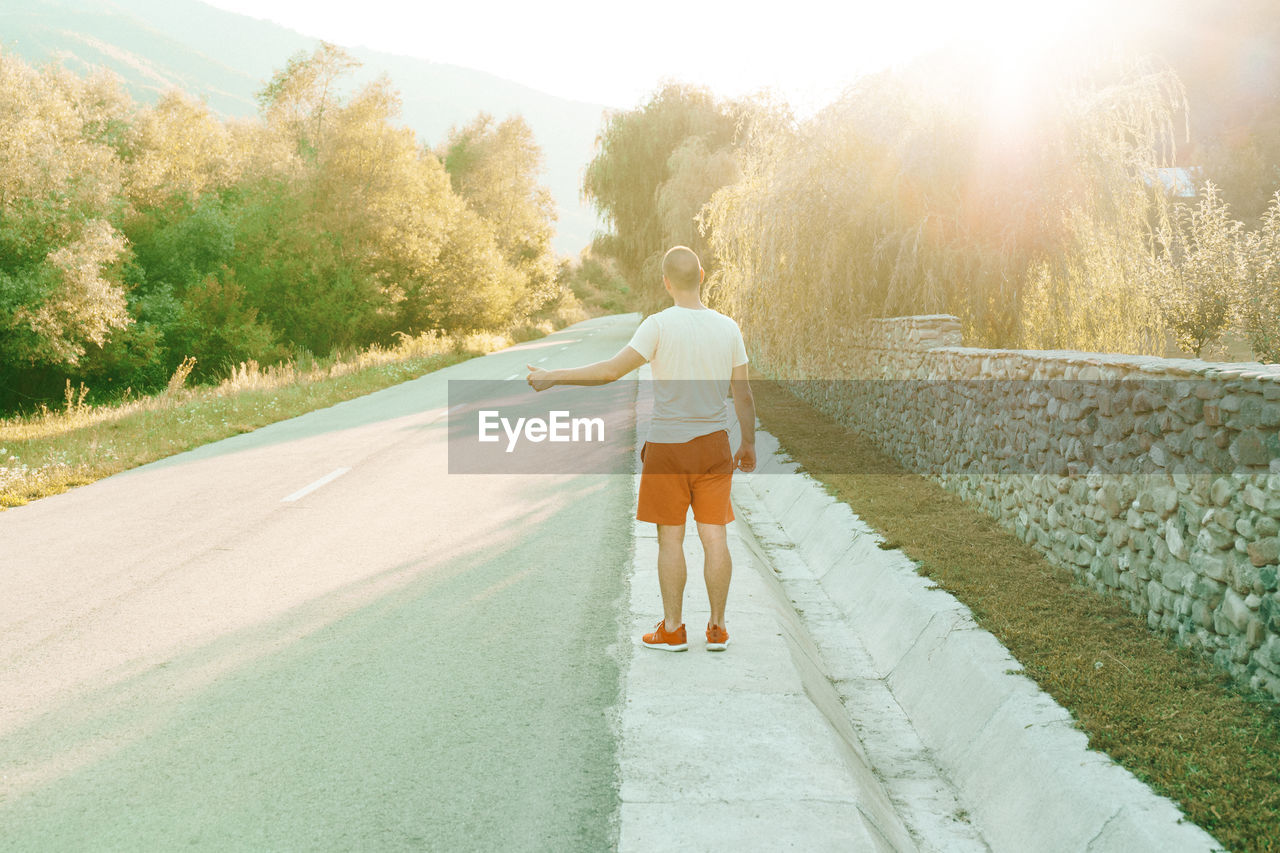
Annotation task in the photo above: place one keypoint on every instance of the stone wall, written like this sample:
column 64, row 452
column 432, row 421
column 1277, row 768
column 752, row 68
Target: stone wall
column 1157, row 480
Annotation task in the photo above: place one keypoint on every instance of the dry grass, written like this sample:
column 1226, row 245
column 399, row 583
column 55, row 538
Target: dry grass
column 53, row 451
column 1166, row 714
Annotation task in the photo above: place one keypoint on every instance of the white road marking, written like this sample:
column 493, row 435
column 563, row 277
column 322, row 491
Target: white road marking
column 512, row 376
column 323, row 481
column 544, row 358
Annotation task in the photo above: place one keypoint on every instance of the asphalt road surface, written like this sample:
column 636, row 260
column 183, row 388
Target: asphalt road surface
column 312, row 637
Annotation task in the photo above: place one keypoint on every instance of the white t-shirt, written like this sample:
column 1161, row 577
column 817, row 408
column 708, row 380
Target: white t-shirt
column 692, row 352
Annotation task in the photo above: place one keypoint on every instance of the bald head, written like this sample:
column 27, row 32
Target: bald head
column 680, row 266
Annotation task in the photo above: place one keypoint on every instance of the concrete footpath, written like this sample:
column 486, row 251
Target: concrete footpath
column 751, row 749
column 856, row 708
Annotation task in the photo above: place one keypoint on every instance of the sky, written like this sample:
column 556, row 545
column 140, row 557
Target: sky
column 617, row 54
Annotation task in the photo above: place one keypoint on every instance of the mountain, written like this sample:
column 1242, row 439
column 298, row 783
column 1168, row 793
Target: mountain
column 224, row 58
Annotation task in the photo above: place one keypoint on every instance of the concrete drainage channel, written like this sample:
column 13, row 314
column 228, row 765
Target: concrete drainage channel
column 1021, row 771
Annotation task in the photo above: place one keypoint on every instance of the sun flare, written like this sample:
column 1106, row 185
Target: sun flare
column 1019, row 48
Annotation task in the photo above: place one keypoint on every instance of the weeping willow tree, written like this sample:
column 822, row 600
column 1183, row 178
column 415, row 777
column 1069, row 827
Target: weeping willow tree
column 654, row 169
column 926, row 190
column 1099, row 288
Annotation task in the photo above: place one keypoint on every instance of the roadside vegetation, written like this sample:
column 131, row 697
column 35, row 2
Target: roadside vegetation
column 1165, row 713
column 136, row 237
column 1105, row 201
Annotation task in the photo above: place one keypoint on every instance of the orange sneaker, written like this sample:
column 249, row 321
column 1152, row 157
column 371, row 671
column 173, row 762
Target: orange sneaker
column 669, row 641
column 717, row 638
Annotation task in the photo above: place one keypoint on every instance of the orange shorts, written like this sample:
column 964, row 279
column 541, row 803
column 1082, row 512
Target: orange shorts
column 695, row 473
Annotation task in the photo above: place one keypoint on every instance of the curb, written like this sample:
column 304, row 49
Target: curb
column 1024, row 772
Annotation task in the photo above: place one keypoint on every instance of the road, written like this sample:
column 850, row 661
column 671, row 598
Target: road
column 396, row 658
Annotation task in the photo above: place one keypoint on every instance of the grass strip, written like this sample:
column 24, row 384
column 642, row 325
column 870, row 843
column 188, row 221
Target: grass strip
column 1165, row 713
column 54, row 454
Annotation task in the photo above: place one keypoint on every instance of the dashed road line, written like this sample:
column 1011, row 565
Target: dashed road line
column 323, row 481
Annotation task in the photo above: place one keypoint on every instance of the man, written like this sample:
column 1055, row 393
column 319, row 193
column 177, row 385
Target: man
column 697, row 356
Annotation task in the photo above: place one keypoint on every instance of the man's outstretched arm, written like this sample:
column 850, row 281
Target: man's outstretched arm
column 744, row 406
column 598, row 373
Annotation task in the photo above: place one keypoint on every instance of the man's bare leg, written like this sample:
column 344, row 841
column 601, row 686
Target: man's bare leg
column 717, row 568
column 671, row 573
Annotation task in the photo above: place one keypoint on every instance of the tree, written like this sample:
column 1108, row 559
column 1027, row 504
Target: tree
column 912, row 194
column 184, row 296
column 630, row 179
column 495, row 167
column 696, row 173
column 299, row 98
column 1260, row 299
column 60, row 250
column 1235, row 123
column 1200, row 271
column 177, row 150
column 365, row 237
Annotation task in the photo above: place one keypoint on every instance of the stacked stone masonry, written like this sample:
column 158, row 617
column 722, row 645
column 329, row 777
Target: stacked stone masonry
column 1154, row 479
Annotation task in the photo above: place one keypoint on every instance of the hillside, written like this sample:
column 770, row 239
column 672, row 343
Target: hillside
column 155, row 45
